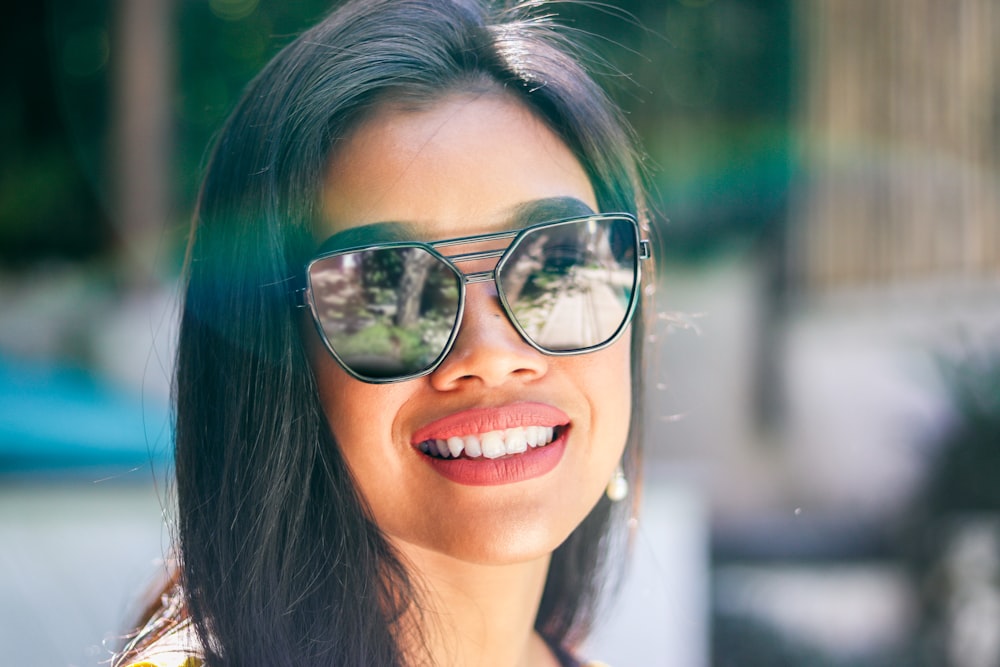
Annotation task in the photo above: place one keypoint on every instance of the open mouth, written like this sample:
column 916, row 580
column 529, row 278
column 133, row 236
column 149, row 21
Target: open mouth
column 492, row 444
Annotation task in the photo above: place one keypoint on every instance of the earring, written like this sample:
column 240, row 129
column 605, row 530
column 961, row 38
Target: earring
column 618, row 486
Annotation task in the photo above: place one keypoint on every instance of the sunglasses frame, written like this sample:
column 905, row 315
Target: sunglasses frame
column 642, row 248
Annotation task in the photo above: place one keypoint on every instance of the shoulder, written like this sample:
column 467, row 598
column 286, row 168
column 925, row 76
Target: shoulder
column 168, row 639
column 176, row 648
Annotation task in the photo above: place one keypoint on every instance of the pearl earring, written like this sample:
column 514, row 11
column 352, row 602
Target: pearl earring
column 618, row 486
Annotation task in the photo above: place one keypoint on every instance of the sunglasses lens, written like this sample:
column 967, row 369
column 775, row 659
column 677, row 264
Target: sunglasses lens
column 571, row 286
column 387, row 313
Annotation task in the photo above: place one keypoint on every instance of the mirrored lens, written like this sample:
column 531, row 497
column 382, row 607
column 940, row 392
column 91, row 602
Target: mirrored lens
column 387, row 312
column 570, row 286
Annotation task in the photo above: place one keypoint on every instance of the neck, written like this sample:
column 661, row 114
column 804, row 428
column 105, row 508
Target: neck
column 481, row 615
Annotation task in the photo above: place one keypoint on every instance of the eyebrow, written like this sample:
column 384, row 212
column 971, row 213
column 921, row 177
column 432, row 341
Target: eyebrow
column 546, row 210
column 521, row 215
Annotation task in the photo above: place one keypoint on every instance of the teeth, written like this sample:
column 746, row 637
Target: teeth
column 472, row 446
column 491, row 445
column 455, row 446
column 442, row 448
column 516, row 443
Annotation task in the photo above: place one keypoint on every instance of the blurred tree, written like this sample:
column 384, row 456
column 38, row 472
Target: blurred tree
column 950, row 537
column 141, row 137
column 49, row 205
column 222, row 45
column 705, row 82
column 56, row 119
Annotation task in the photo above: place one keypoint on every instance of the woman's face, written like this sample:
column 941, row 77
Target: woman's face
column 470, row 165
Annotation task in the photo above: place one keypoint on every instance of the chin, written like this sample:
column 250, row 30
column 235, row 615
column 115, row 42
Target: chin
column 506, row 542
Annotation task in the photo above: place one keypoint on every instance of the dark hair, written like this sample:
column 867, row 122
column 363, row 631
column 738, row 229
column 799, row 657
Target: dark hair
column 280, row 560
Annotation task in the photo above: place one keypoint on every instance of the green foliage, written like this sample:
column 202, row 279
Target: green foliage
column 387, row 342
column 49, row 205
column 222, row 45
column 378, row 340
column 708, row 86
column 705, row 82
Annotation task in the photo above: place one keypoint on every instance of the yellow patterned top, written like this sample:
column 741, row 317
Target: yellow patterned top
column 177, row 648
column 167, row 640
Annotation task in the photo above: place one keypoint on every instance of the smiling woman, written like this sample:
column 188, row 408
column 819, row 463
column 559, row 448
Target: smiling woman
column 408, row 353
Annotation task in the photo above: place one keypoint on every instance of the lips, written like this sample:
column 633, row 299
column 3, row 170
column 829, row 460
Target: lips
column 492, row 444
column 486, row 446
column 483, row 420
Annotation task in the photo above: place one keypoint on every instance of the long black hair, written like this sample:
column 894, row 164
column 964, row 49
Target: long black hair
column 281, row 562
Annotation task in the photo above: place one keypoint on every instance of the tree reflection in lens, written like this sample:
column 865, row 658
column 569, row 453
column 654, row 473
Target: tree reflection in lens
column 388, row 311
column 569, row 288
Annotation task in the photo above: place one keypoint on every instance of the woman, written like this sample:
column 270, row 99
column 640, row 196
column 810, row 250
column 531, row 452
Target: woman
column 387, row 452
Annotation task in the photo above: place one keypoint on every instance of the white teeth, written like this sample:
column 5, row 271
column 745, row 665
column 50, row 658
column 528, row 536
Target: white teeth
column 491, row 445
column 516, row 443
column 442, row 448
column 455, row 446
column 472, row 446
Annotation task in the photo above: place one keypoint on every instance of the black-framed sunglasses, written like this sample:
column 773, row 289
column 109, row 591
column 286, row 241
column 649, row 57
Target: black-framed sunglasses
column 389, row 312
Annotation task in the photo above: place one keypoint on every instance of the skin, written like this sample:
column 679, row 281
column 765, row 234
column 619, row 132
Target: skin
column 462, row 166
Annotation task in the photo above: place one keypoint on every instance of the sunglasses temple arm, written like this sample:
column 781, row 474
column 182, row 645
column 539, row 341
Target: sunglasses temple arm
column 299, row 298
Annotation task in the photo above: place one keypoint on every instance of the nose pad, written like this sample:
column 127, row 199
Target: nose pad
column 488, row 348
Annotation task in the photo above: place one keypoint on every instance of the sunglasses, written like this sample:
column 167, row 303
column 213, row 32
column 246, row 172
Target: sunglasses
column 390, row 312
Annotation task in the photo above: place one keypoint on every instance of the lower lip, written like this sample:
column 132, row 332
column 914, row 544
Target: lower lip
column 482, row 471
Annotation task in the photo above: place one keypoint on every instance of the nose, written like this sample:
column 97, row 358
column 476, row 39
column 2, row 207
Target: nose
column 488, row 350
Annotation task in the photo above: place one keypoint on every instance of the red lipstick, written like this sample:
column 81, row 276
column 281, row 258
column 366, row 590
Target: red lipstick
column 481, row 420
column 530, row 462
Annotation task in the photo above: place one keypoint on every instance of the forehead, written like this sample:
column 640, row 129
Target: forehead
column 468, row 164
column 522, row 215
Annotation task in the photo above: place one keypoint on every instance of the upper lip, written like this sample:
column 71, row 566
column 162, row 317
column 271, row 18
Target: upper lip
column 483, row 420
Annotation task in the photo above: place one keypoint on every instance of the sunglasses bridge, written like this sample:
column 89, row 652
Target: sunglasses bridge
column 474, row 277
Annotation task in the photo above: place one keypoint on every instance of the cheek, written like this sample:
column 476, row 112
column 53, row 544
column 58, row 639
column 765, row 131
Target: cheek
column 617, row 405
column 619, row 410
column 605, row 378
column 365, row 442
column 349, row 403
column 331, row 380
column 608, row 377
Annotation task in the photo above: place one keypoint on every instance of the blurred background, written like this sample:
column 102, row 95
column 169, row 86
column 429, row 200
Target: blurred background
column 823, row 405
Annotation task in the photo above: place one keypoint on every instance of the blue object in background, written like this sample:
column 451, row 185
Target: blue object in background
column 59, row 417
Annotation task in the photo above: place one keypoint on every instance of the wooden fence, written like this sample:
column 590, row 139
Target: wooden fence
column 899, row 140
